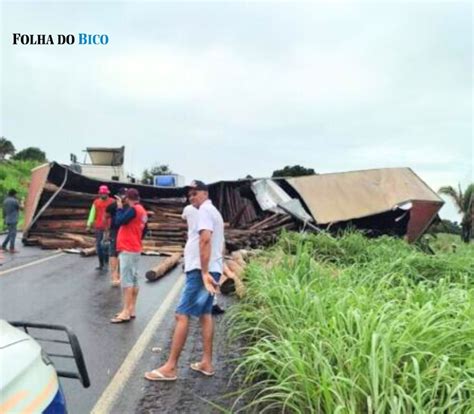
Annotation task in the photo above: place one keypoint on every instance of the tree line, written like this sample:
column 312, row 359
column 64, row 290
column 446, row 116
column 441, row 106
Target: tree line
column 8, row 151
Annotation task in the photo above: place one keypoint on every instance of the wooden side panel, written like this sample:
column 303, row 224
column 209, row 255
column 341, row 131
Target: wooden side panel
column 39, row 176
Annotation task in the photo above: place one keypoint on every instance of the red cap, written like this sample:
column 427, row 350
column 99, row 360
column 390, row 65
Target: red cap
column 133, row 194
column 103, row 189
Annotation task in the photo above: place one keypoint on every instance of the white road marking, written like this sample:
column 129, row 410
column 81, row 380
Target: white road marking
column 45, row 259
column 114, row 389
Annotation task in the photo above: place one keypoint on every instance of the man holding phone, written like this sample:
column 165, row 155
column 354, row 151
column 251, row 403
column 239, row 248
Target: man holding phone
column 111, row 211
column 131, row 223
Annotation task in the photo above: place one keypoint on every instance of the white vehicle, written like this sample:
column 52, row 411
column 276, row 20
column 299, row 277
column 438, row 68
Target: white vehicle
column 28, row 378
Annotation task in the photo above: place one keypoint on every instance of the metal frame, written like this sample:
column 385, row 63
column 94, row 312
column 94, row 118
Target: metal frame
column 81, row 374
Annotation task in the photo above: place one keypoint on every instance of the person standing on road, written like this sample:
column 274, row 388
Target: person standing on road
column 203, row 261
column 97, row 218
column 11, row 213
column 111, row 212
column 190, row 214
column 131, row 223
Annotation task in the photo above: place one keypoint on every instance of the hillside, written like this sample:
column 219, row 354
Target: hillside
column 15, row 174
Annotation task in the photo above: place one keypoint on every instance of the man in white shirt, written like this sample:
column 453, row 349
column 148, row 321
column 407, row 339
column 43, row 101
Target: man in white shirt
column 190, row 214
column 203, row 264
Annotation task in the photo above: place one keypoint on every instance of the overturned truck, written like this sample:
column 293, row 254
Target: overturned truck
column 391, row 201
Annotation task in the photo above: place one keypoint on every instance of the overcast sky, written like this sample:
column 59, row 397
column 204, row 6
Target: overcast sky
column 222, row 90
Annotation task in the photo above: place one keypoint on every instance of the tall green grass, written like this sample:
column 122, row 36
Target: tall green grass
column 353, row 325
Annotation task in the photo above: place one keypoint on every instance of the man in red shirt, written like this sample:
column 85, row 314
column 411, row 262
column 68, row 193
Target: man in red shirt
column 131, row 223
column 97, row 217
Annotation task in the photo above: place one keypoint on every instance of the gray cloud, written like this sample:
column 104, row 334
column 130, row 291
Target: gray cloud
column 220, row 90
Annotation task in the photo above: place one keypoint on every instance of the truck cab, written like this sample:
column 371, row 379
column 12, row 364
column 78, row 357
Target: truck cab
column 28, row 378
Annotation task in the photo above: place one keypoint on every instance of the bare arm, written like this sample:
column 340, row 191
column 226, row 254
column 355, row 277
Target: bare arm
column 205, row 255
column 205, row 249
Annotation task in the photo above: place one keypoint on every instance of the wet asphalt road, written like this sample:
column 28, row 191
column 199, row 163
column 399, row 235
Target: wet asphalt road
column 192, row 392
column 66, row 290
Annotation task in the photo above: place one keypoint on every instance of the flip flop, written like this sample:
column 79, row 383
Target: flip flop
column 131, row 316
column 156, row 375
column 196, row 367
column 119, row 320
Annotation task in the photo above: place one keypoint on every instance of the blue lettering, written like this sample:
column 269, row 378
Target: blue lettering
column 97, row 39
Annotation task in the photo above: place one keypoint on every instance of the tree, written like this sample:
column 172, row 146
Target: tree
column 294, row 171
column 6, row 148
column 148, row 174
column 30, row 153
column 464, row 202
column 445, row 226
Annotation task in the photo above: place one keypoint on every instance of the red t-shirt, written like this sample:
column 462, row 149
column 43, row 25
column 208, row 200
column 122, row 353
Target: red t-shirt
column 100, row 205
column 129, row 237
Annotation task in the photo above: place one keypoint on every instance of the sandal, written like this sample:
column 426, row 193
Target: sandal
column 196, row 366
column 131, row 316
column 156, row 375
column 120, row 320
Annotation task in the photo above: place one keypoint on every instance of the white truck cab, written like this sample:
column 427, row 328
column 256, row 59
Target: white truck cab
column 28, row 378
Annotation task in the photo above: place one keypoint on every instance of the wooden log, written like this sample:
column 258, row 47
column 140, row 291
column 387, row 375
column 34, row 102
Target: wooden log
column 54, row 232
column 235, row 268
column 166, row 201
column 158, row 243
column 57, row 243
column 239, row 258
column 231, row 275
column 164, row 267
column 167, row 226
column 65, row 211
column 262, row 222
column 60, row 224
column 90, row 251
column 173, row 215
column 168, row 248
column 235, row 220
column 82, row 241
column 31, row 241
column 278, row 223
column 67, row 193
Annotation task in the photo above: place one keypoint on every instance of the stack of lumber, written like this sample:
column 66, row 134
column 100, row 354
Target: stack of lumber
column 261, row 233
column 62, row 224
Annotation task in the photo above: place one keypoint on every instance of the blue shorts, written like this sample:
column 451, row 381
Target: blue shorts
column 195, row 299
column 129, row 269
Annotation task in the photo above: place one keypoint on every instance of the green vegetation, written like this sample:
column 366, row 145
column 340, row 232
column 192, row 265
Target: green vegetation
column 30, row 153
column 157, row 169
column 15, row 175
column 445, row 226
column 293, row 171
column 6, row 148
column 464, row 202
column 357, row 325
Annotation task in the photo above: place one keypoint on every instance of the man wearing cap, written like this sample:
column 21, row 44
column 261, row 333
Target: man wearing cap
column 203, row 262
column 97, row 218
column 131, row 223
column 111, row 212
column 190, row 214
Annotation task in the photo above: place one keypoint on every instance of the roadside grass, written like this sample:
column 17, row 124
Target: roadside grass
column 357, row 325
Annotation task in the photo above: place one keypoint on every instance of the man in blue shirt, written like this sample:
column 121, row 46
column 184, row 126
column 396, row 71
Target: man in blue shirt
column 11, row 212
